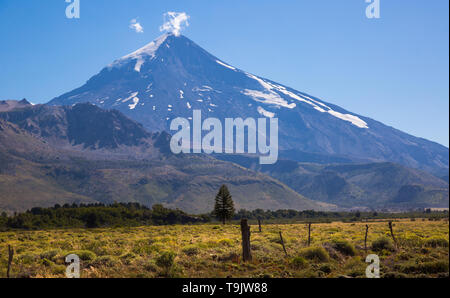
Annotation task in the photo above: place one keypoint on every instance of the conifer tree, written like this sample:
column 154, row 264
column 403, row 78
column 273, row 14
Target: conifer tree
column 224, row 207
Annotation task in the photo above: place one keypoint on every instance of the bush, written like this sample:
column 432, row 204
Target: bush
column 355, row 267
column 84, row 255
column 47, row 262
column 190, row 250
column 325, row 268
column 315, row 253
column 150, row 266
column 394, row 275
column 165, row 259
column 425, row 268
column 226, row 242
column 142, row 247
column 50, row 254
column 107, row 261
column 434, row 267
column 344, row 247
column 128, row 258
column 28, row 258
column 58, row 269
column 299, row 262
column 382, row 243
column 436, row 242
column 403, row 256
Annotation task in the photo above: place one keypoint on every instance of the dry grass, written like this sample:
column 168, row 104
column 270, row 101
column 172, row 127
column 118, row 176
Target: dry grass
column 214, row 251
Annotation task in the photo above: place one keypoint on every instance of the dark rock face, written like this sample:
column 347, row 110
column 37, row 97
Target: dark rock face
column 82, row 124
column 94, row 127
column 7, row 105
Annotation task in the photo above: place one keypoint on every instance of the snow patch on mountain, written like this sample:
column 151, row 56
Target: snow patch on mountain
column 272, row 97
column 134, row 104
column 265, row 113
column 351, row 118
column 268, row 98
column 148, row 50
column 134, row 94
column 226, row 65
column 204, row 88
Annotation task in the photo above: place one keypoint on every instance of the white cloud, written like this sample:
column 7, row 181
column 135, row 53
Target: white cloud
column 174, row 22
column 136, row 26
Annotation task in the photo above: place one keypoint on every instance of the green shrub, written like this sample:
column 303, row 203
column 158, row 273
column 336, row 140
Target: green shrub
column 436, row 242
column 277, row 239
column 318, row 254
column 84, row 255
column 394, row 275
column 226, row 242
column 382, row 243
column 344, row 247
column 403, row 256
column 165, row 259
column 150, row 266
column 47, row 262
column 58, row 269
column 424, row 250
column 355, row 267
column 325, row 268
column 128, row 258
column 99, row 247
column 157, row 247
column 434, row 267
column 142, row 247
column 308, row 273
column 425, row 268
column 190, row 250
column 299, row 262
column 50, row 254
column 28, row 258
column 107, row 261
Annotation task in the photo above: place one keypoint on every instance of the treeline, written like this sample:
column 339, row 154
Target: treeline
column 327, row 216
column 134, row 214
column 97, row 215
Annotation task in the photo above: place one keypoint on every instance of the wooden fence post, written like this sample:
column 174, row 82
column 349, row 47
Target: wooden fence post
column 392, row 234
column 365, row 238
column 309, row 234
column 282, row 243
column 10, row 258
column 259, row 225
column 245, row 230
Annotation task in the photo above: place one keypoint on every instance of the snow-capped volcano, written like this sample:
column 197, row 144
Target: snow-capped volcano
column 270, row 95
column 146, row 52
column 172, row 75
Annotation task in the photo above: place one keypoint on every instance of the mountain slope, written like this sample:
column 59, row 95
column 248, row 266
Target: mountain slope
column 368, row 185
column 172, row 75
column 82, row 153
column 23, row 184
column 7, row 105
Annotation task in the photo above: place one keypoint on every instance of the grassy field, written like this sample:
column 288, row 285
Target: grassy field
column 213, row 250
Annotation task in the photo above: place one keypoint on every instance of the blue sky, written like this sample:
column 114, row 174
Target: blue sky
column 394, row 69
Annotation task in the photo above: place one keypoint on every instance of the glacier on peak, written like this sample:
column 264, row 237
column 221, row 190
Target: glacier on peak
column 148, row 50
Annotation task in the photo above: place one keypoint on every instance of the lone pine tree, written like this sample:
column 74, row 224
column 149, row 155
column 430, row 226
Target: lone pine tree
column 224, row 207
